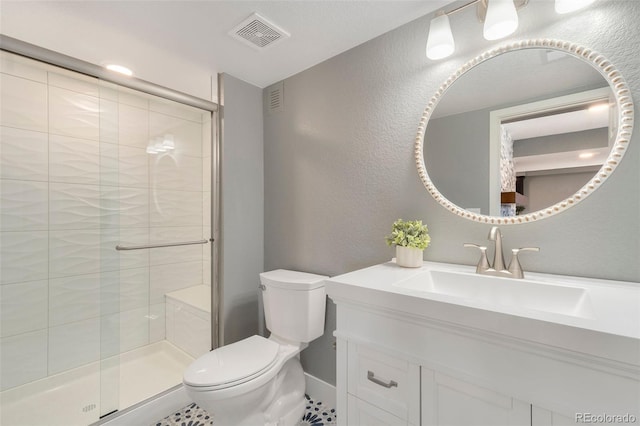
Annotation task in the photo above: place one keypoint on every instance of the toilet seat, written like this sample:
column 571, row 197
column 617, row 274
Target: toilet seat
column 233, row 364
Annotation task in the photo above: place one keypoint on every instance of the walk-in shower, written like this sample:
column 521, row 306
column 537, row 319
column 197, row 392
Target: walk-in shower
column 86, row 166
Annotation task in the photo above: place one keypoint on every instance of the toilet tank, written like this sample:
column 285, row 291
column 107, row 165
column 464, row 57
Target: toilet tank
column 294, row 304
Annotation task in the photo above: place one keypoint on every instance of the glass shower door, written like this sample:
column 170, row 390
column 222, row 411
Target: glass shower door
column 85, row 166
column 52, row 230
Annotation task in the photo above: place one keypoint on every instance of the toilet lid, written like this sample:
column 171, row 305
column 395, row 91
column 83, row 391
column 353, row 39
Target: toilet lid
column 232, row 363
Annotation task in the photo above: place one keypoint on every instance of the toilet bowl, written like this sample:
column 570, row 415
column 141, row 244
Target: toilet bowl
column 259, row 381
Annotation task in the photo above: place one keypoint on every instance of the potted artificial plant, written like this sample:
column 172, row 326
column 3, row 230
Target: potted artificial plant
column 410, row 238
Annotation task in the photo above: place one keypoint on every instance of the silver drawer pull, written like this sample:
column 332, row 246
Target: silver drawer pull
column 371, row 376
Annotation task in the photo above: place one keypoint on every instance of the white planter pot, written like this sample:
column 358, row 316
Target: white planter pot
column 408, row 257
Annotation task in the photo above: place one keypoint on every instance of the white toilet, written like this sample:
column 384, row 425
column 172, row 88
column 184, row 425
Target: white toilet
column 259, row 381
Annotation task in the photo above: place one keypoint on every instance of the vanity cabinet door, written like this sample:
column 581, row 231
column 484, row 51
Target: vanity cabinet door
column 361, row 413
column 385, row 381
column 453, row 402
column 543, row 417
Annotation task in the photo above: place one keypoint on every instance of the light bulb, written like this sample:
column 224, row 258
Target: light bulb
column 440, row 43
column 566, row 6
column 501, row 19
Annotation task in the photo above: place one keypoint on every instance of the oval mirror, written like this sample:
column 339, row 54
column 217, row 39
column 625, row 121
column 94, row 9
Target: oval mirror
column 524, row 131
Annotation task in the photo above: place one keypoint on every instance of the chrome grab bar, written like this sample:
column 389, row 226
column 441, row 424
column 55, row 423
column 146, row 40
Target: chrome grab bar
column 185, row 243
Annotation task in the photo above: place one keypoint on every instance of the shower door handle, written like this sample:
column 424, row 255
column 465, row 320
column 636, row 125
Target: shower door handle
column 149, row 246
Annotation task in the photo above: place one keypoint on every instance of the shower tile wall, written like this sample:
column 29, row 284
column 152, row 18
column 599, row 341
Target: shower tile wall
column 75, row 180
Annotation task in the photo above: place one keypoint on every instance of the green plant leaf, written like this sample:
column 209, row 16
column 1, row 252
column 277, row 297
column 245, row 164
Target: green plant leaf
column 410, row 233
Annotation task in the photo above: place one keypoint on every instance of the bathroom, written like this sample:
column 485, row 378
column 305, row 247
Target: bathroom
column 316, row 185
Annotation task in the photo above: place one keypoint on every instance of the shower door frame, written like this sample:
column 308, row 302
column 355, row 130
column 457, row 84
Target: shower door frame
column 41, row 54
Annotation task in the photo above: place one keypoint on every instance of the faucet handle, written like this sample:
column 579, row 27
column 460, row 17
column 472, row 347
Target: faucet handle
column 514, row 266
column 483, row 263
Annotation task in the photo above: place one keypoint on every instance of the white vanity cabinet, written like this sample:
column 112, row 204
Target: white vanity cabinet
column 450, row 401
column 383, row 389
column 542, row 417
column 403, row 359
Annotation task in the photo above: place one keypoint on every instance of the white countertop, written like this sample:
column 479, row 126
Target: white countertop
column 607, row 324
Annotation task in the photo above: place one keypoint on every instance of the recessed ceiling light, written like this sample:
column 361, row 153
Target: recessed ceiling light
column 586, row 155
column 119, row 69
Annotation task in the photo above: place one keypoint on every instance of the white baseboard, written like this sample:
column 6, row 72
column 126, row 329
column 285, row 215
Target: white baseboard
column 149, row 412
column 320, row 390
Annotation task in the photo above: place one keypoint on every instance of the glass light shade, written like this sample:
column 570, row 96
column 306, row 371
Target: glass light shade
column 501, row 20
column 440, row 42
column 566, row 6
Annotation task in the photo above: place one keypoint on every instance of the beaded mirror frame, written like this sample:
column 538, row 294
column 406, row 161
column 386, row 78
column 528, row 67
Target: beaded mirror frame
column 621, row 93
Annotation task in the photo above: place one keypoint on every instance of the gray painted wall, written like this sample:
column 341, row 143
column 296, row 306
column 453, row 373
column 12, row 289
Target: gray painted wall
column 242, row 207
column 457, row 158
column 339, row 165
column 546, row 190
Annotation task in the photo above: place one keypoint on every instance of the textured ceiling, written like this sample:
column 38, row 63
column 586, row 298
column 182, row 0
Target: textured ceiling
column 162, row 41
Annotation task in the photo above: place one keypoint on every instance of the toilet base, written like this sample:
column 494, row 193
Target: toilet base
column 287, row 407
column 279, row 402
column 293, row 417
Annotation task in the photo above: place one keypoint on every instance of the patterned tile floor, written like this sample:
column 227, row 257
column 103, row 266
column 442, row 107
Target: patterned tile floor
column 316, row 414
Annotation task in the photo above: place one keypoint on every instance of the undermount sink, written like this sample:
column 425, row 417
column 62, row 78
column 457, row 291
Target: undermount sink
column 497, row 291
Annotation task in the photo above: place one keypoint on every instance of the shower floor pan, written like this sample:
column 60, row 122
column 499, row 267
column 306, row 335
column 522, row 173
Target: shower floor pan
column 73, row 397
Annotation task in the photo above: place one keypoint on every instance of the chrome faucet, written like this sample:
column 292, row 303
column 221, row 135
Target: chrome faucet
column 497, row 268
column 498, row 256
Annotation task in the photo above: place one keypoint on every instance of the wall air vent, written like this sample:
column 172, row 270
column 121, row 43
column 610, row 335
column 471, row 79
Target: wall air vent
column 274, row 97
column 258, row 32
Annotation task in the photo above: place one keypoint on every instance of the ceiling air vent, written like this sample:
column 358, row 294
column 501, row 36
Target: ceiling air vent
column 258, row 32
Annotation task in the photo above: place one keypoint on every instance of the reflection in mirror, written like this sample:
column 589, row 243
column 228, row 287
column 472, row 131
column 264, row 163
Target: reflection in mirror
column 535, row 108
column 548, row 149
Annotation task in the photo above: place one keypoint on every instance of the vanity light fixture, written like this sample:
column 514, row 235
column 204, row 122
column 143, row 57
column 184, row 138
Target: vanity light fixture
column 501, row 20
column 566, row 6
column 499, row 16
column 440, row 43
column 119, row 69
